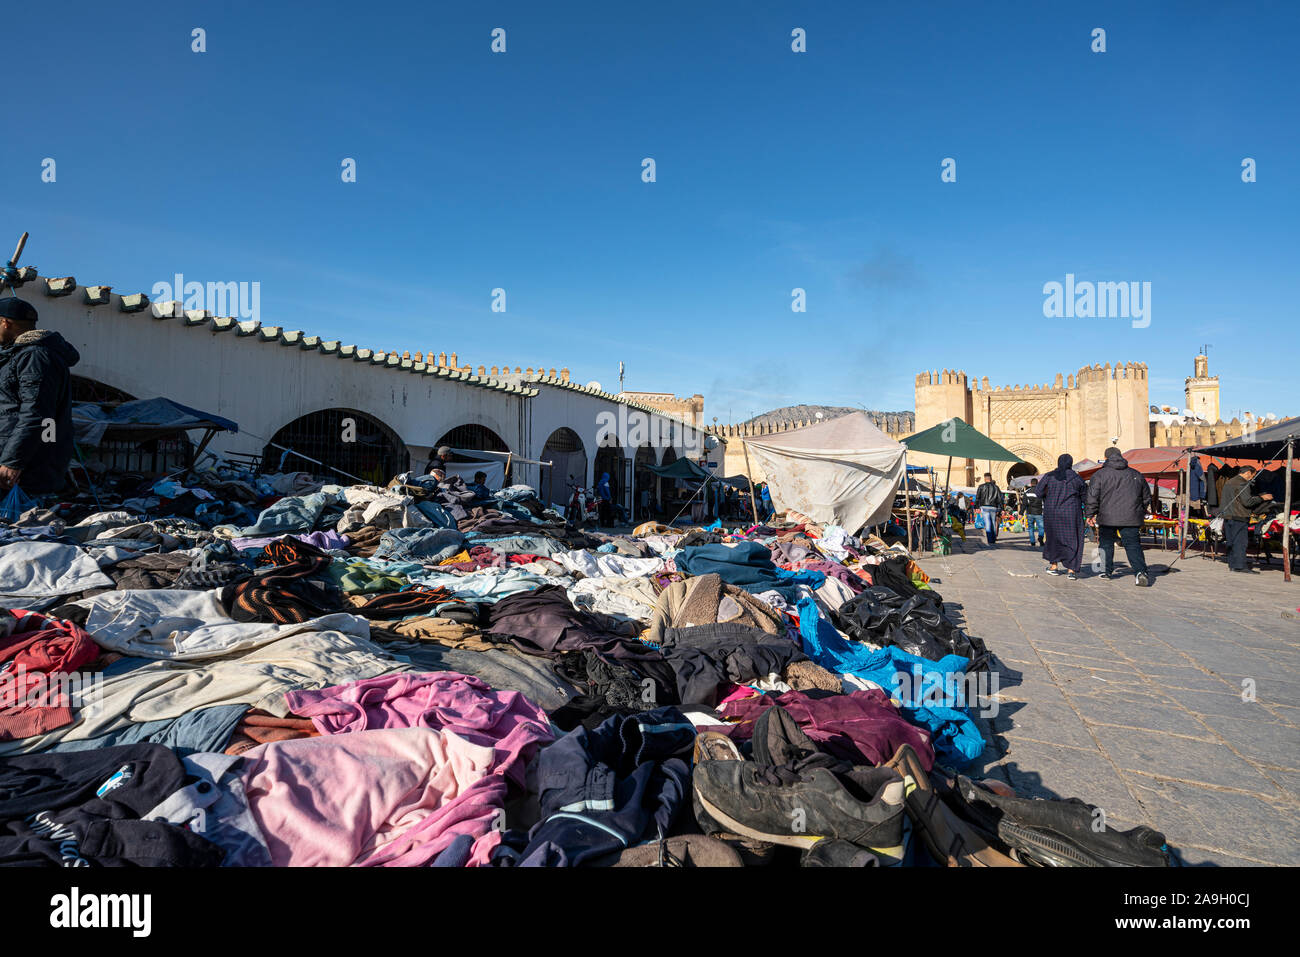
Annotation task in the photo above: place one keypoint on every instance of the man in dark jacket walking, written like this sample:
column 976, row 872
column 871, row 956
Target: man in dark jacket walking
column 1118, row 499
column 988, row 499
column 35, row 401
column 1031, row 507
column 1238, row 505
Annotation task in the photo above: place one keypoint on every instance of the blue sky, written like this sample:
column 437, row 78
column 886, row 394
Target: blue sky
column 775, row 170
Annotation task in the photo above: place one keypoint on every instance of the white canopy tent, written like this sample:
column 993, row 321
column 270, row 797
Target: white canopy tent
column 844, row 471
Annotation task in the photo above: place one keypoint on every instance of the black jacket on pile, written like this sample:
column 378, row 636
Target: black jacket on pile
column 84, row 809
column 988, row 495
column 1238, row 502
column 914, row 623
column 1118, row 495
column 35, row 385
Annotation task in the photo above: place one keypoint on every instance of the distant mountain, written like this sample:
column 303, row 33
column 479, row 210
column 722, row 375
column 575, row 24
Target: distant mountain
column 894, row 423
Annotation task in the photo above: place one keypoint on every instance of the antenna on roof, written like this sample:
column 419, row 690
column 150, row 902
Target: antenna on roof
column 10, row 271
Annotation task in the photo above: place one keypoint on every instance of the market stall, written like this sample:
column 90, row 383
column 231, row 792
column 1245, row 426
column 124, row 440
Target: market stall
column 1276, row 443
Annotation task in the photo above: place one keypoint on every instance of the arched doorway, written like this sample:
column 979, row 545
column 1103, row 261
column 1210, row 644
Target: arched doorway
column 1021, row 468
column 568, row 458
column 155, row 456
column 92, row 390
column 612, row 460
column 642, row 480
column 345, row 441
column 665, row 488
column 473, row 437
column 1034, row 462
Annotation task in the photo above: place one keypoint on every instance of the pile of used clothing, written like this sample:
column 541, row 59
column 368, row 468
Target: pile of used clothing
column 229, row 669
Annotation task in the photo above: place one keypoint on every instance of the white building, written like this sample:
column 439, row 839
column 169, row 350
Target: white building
column 291, row 389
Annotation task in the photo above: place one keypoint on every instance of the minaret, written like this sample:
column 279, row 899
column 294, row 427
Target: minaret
column 1202, row 391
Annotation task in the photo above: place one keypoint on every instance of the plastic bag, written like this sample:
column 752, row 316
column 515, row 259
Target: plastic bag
column 15, row 503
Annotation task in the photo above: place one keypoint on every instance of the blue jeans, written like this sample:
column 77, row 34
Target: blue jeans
column 990, row 523
column 425, row 545
column 1035, row 525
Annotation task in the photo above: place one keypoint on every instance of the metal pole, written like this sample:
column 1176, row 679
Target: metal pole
column 1286, row 514
column 907, row 503
column 749, row 470
column 1186, row 499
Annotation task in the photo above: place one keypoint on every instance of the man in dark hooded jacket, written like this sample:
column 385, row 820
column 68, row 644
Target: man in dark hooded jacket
column 35, row 401
column 1118, row 499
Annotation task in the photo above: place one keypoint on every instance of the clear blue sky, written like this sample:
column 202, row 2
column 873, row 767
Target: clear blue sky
column 775, row 170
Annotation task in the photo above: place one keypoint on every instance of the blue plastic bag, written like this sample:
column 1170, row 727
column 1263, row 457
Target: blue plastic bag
column 15, row 503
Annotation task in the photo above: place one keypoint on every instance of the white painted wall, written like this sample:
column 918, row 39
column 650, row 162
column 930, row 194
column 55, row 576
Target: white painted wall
column 264, row 384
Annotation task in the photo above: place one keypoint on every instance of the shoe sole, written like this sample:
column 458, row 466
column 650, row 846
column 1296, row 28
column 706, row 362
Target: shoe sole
column 888, row 855
column 1058, row 852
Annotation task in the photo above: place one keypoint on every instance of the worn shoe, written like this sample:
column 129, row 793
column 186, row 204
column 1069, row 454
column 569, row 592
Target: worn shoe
column 714, row 746
column 1072, row 577
column 949, row 839
column 1052, row 571
column 1142, row 581
column 783, row 806
column 1053, row 833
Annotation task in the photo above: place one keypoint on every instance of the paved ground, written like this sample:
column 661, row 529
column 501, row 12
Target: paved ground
column 1132, row 698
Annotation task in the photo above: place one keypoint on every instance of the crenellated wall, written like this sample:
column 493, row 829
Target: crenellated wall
column 1082, row 414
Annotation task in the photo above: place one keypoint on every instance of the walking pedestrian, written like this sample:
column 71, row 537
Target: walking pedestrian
column 1118, row 499
column 1062, row 492
column 1031, row 507
column 988, row 499
column 1238, row 504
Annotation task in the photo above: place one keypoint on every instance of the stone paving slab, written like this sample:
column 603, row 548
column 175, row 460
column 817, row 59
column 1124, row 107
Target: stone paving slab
column 1132, row 698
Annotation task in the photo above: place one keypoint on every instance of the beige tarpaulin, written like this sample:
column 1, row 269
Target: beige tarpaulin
column 844, row 471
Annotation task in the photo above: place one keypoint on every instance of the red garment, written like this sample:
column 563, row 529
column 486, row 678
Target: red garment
column 37, row 648
column 862, row 727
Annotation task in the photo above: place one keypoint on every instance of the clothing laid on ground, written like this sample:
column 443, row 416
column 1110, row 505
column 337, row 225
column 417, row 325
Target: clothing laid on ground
column 274, row 670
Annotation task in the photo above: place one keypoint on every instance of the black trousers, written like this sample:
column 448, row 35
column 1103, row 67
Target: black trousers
column 1237, row 536
column 1131, row 538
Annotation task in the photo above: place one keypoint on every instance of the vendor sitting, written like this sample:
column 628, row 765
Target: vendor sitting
column 479, row 489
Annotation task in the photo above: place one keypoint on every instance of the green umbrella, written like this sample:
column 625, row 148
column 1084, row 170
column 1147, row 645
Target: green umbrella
column 955, row 438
